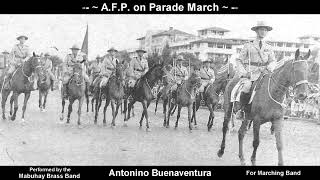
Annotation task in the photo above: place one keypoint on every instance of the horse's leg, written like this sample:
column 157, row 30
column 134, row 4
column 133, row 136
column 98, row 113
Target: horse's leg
column 241, row 134
column 174, row 110
column 11, row 104
column 165, row 102
column 62, row 111
column 118, row 103
column 71, row 101
column 45, row 100
column 40, row 100
column 189, row 117
column 157, row 101
column 4, row 98
column 178, row 116
column 194, row 109
column 211, row 116
column 256, row 130
column 196, row 105
column 105, row 109
column 132, row 110
column 79, row 109
column 145, row 105
column 15, row 97
column 130, row 105
column 277, row 125
column 92, row 101
column 125, row 104
column 25, row 102
column 97, row 99
column 113, row 112
column 171, row 106
column 87, row 99
column 141, row 119
column 227, row 116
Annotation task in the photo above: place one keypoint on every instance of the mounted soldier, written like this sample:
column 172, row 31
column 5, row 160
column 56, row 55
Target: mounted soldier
column 180, row 71
column 95, row 69
column 19, row 54
column 71, row 59
column 108, row 66
column 46, row 64
column 139, row 66
column 207, row 76
column 255, row 58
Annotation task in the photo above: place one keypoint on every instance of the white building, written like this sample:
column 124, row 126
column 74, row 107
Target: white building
column 215, row 43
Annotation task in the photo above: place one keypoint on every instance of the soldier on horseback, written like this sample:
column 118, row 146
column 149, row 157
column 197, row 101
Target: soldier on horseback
column 71, row 59
column 207, row 76
column 46, row 64
column 95, row 69
column 139, row 66
column 108, row 66
column 180, row 72
column 255, row 58
column 19, row 54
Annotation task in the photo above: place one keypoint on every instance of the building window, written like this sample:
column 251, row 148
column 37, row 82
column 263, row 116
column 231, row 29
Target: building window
column 228, row 46
column 221, row 33
column 306, row 46
column 211, row 45
column 219, row 45
column 289, row 45
column 279, row 44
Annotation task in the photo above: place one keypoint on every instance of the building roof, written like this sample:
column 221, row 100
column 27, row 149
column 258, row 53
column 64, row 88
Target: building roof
column 309, row 36
column 169, row 32
column 215, row 29
column 215, row 40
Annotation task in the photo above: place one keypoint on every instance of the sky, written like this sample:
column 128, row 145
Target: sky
column 121, row 31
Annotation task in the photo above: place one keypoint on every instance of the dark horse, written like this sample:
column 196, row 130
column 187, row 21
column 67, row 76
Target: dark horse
column 267, row 104
column 184, row 97
column 142, row 92
column 20, row 83
column 114, row 93
column 212, row 92
column 76, row 91
column 44, row 85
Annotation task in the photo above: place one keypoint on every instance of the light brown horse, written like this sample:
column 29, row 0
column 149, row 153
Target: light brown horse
column 267, row 103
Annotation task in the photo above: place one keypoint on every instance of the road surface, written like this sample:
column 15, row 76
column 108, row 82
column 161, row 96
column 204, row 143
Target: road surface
column 44, row 140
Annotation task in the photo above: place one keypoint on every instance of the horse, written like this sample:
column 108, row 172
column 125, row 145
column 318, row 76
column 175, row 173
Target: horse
column 267, row 104
column 212, row 92
column 44, row 85
column 76, row 91
column 142, row 92
column 184, row 97
column 114, row 93
column 20, row 83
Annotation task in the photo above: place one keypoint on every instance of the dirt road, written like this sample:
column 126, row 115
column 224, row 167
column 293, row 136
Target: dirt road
column 45, row 140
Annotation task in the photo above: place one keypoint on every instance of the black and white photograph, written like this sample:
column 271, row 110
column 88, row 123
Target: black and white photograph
column 159, row 90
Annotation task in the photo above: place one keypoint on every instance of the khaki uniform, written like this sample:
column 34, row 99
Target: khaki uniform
column 108, row 67
column 259, row 60
column 69, row 61
column 139, row 66
column 18, row 55
column 47, row 65
column 181, row 73
column 95, row 70
column 207, row 76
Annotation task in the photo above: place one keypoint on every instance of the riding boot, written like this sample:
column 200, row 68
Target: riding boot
column 7, row 81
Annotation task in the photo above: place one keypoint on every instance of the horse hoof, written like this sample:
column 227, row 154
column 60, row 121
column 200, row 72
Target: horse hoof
column 148, row 130
column 195, row 127
column 220, row 153
column 125, row 125
column 43, row 110
column 140, row 127
column 243, row 163
column 22, row 120
column 167, row 126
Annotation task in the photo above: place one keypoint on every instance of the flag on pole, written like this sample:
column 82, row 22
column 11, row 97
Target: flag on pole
column 85, row 45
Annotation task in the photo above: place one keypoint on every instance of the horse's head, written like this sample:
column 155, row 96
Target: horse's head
column 195, row 80
column 120, row 70
column 77, row 73
column 299, row 77
column 35, row 64
column 157, row 71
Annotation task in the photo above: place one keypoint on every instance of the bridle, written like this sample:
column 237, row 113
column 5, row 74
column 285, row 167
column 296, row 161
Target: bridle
column 79, row 75
column 22, row 69
column 304, row 81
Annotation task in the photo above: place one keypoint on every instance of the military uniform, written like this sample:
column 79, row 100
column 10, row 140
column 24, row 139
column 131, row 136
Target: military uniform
column 139, row 67
column 95, row 70
column 69, row 61
column 108, row 67
column 260, row 60
column 46, row 64
column 207, row 75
